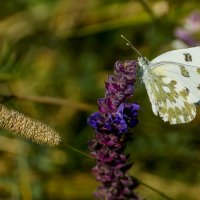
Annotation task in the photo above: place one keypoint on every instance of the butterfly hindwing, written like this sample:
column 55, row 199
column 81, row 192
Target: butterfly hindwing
column 169, row 99
column 187, row 76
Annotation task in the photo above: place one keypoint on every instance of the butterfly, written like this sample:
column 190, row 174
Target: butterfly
column 172, row 81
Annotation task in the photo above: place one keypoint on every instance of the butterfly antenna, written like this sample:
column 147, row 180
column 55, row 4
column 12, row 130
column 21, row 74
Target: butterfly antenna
column 130, row 45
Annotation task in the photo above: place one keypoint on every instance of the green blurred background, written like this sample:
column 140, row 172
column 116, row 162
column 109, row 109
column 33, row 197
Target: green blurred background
column 54, row 58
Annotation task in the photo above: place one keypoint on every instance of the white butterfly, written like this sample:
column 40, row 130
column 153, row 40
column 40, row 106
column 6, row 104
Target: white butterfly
column 172, row 81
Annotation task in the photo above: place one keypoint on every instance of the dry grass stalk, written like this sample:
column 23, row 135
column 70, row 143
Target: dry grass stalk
column 18, row 123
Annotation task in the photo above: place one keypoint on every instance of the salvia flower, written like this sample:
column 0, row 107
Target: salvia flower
column 111, row 125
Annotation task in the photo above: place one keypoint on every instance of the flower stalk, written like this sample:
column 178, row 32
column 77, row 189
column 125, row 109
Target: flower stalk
column 111, row 125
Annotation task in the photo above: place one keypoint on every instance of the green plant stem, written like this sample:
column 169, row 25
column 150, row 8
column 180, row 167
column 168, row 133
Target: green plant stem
column 148, row 9
column 77, row 151
column 155, row 190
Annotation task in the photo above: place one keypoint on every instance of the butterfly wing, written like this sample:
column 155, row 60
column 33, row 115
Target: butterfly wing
column 172, row 81
column 189, row 56
column 169, row 98
column 187, row 76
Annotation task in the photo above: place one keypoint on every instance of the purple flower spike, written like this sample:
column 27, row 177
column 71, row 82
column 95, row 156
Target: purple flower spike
column 111, row 125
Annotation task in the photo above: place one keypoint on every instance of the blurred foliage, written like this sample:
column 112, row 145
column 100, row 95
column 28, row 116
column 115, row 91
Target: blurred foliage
column 54, row 58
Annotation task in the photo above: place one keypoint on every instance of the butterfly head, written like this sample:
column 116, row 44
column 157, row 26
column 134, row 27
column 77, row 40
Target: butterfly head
column 143, row 62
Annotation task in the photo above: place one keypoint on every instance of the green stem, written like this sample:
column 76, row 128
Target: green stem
column 77, row 150
column 155, row 190
column 148, row 9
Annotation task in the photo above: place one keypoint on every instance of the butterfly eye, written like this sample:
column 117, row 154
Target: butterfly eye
column 143, row 62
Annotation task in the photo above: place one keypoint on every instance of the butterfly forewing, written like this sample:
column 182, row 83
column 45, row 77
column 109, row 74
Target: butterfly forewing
column 189, row 56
